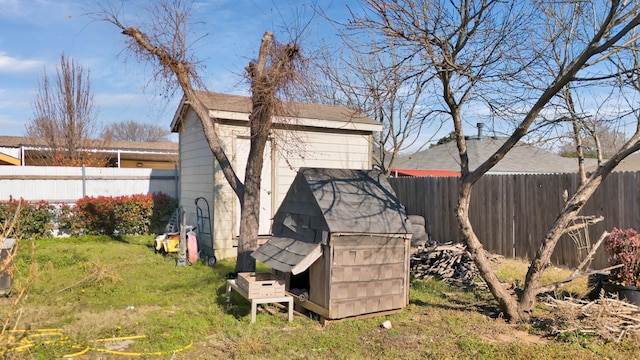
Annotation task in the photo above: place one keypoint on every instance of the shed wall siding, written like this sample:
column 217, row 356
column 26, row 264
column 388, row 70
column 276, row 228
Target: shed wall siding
column 196, row 169
column 318, row 149
column 225, row 203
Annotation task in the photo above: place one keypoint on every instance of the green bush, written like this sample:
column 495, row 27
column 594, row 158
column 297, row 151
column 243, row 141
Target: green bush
column 163, row 206
column 134, row 214
column 34, row 219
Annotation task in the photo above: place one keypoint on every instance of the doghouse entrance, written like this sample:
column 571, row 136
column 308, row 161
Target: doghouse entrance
column 299, row 285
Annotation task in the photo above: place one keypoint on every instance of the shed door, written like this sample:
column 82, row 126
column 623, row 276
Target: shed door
column 266, row 213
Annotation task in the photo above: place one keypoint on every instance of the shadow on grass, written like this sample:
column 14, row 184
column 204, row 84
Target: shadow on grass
column 457, row 298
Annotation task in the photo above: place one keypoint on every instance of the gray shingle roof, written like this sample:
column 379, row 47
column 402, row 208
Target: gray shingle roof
column 523, row 158
column 630, row 163
column 356, row 201
column 284, row 254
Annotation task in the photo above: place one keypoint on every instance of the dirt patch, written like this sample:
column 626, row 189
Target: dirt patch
column 519, row 336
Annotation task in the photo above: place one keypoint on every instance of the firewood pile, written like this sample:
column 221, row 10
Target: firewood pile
column 608, row 318
column 448, row 261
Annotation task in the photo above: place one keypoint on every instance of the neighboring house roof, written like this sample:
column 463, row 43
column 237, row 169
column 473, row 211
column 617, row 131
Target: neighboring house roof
column 12, row 146
column 18, row 141
column 236, row 107
column 333, row 200
column 630, row 163
column 523, row 158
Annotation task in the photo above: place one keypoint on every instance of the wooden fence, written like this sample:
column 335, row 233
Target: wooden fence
column 511, row 213
column 57, row 184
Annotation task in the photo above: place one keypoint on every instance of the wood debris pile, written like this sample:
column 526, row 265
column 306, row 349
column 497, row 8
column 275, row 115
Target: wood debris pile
column 607, row 318
column 449, row 262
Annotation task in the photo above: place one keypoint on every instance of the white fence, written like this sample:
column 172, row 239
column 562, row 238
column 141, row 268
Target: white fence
column 68, row 184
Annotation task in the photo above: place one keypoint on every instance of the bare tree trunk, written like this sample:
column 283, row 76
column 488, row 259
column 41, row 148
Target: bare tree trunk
column 571, row 209
column 65, row 119
column 506, row 302
column 265, row 82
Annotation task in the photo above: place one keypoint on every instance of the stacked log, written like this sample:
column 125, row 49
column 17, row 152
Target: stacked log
column 449, row 262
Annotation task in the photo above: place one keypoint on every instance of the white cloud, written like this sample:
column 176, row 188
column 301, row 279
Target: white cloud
column 10, row 64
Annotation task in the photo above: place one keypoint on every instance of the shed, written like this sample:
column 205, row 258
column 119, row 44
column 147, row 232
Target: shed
column 311, row 135
column 341, row 239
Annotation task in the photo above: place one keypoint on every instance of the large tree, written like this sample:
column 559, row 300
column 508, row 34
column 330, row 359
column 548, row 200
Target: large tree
column 64, row 122
column 492, row 55
column 163, row 42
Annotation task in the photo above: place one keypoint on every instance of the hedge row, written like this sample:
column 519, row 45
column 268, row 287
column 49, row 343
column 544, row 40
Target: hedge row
column 34, row 219
column 135, row 214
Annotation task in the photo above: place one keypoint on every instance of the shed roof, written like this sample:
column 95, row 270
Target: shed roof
column 237, row 107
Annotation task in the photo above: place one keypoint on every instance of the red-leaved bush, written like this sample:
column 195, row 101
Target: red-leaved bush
column 34, row 219
column 623, row 247
column 134, row 214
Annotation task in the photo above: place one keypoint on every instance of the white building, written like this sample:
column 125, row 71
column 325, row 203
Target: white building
column 320, row 136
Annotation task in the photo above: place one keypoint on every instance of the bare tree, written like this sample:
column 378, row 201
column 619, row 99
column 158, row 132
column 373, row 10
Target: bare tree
column 392, row 95
column 483, row 52
column 135, row 131
column 596, row 139
column 64, row 121
column 166, row 46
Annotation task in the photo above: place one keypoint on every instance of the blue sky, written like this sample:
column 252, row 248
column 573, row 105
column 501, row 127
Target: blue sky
column 34, row 33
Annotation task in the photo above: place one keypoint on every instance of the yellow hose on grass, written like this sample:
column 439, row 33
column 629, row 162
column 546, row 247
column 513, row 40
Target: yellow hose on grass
column 22, row 343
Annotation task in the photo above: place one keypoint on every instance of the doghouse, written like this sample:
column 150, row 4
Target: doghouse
column 341, row 241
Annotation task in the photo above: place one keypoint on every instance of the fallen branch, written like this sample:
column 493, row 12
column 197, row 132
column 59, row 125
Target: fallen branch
column 608, row 318
column 580, row 270
column 587, row 221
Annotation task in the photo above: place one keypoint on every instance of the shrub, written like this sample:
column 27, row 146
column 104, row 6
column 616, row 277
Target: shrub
column 34, row 219
column 163, row 207
column 623, row 247
column 135, row 214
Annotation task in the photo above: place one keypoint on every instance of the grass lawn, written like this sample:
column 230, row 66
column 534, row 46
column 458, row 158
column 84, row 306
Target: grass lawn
column 90, row 289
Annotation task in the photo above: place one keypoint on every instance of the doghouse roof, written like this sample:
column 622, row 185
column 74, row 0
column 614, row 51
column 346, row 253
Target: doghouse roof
column 345, row 201
column 354, row 201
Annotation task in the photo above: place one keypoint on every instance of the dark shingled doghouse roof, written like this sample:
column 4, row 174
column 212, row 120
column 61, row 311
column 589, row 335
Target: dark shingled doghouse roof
column 346, row 201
